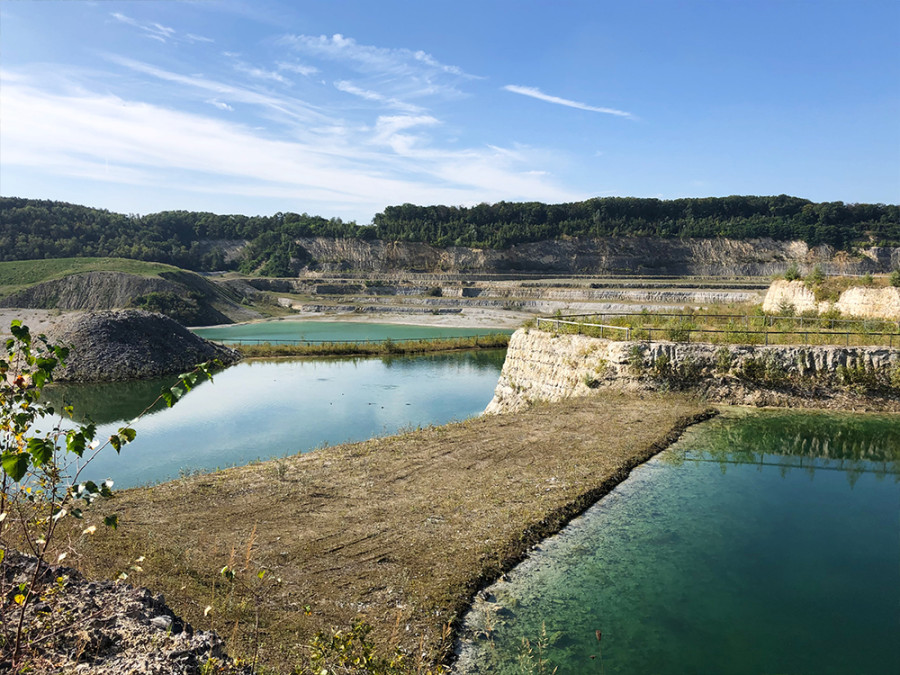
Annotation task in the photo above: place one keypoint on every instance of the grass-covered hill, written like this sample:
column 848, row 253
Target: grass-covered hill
column 34, row 229
column 115, row 283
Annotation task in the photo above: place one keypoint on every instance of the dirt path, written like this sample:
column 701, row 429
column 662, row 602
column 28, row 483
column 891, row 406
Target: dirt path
column 401, row 531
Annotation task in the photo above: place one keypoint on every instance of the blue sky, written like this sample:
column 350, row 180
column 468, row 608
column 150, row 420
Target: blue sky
column 342, row 108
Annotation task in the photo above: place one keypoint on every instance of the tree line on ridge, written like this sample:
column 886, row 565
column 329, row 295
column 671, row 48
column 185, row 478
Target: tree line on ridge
column 36, row 229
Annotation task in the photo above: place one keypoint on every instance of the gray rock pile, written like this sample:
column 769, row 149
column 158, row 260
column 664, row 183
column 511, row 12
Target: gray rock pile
column 102, row 628
column 131, row 344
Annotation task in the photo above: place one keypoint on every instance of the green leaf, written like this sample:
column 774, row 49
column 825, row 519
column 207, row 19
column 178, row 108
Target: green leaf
column 125, row 435
column 46, row 364
column 112, row 521
column 39, row 378
column 75, row 442
column 41, row 450
column 15, row 464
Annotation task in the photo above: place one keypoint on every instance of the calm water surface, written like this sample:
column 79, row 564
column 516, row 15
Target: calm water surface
column 764, row 542
column 268, row 408
column 343, row 331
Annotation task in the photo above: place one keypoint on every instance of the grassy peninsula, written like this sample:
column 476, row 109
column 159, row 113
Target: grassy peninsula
column 400, row 531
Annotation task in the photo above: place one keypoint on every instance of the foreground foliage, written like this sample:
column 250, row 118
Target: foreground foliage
column 43, row 456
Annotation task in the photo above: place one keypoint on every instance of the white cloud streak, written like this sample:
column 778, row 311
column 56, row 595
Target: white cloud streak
column 291, row 107
column 534, row 92
column 369, row 95
column 152, row 30
column 299, row 68
column 346, row 171
column 409, row 73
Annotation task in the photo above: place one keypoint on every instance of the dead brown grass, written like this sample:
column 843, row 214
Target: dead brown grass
column 401, row 531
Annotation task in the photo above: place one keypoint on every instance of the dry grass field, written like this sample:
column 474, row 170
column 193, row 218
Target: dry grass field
column 400, row 531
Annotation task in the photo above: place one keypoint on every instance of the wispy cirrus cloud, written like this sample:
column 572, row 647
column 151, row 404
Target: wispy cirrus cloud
column 388, row 130
column 221, row 105
column 352, row 171
column 369, row 95
column 404, row 73
column 299, row 68
column 291, row 107
column 534, row 92
column 260, row 73
column 157, row 31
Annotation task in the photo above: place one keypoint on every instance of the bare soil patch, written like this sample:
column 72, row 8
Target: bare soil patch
column 400, row 531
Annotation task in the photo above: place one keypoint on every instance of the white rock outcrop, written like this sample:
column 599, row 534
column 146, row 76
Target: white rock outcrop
column 858, row 301
column 542, row 366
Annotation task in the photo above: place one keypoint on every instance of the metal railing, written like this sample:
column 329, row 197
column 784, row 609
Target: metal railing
column 676, row 333
column 580, row 324
column 746, row 319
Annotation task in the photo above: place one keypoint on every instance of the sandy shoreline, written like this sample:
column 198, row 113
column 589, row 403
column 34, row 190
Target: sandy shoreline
column 44, row 320
column 468, row 318
column 38, row 320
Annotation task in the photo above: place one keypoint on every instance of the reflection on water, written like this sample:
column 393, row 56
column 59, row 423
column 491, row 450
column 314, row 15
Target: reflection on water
column 268, row 408
column 811, row 441
column 106, row 402
column 762, row 542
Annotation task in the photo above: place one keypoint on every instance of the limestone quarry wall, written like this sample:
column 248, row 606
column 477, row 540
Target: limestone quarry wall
column 862, row 302
column 611, row 255
column 542, row 366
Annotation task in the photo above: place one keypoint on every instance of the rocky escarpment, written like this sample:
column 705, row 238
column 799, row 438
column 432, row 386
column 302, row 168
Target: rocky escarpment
column 543, row 366
column 185, row 296
column 612, row 255
column 858, row 301
column 103, row 628
column 130, row 344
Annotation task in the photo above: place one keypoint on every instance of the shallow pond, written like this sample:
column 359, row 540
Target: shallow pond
column 333, row 331
column 762, row 542
column 268, row 408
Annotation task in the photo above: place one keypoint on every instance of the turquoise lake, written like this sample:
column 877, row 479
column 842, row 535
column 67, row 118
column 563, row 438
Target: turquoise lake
column 761, row 542
column 340, row 331
column 260, row 409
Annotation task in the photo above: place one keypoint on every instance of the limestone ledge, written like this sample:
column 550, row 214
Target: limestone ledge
column 542, row 366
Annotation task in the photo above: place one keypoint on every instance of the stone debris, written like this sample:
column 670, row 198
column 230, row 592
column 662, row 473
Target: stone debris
column 102, row 628
column 130, row 344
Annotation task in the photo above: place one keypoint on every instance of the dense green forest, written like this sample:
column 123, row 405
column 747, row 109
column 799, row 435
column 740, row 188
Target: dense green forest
column 505, row 223
column 32, row 229
column 35, row 229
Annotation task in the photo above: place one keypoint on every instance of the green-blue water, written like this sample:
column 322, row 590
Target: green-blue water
column 340, row 331
column 762, row 542
column 262, row 409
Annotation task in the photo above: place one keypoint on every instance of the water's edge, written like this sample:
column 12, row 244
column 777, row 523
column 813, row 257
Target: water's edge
column 557, row 520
